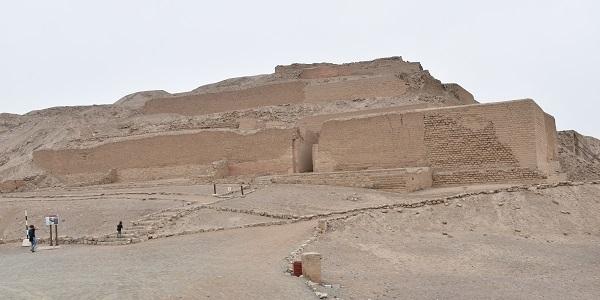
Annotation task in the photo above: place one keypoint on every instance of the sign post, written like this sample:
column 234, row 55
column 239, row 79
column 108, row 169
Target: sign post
column 50, row 234
column 53, row 220
column 26, row 242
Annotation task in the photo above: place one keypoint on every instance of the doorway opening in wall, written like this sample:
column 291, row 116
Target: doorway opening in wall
column 302, row 149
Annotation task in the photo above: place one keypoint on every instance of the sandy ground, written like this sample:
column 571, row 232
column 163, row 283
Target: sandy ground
column 541, row 245
column 235, row 264
column 78, row 218
column 94, row 210
column 301, row 199
column 208, row 218
column 538, row 244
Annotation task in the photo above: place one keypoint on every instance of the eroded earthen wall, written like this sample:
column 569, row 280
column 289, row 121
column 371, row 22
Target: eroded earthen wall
column 198, row 104
column 462, row 144
column 264, row 152
column 314, row 123
column 326, row 90
column 381, row 141
column 551, row 137
column 303, row 145
column 391, row 65
column 297, row 83
column 406, row 179
column 293, row 92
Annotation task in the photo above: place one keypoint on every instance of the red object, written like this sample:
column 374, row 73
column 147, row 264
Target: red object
column 297, row 268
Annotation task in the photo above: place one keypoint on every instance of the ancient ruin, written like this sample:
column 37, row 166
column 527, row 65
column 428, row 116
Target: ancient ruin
column 383, row 124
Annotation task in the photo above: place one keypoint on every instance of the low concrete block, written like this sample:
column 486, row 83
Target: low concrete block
column 311, row 266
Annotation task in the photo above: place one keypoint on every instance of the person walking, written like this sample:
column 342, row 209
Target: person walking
column 31, row 236
column 119, row 228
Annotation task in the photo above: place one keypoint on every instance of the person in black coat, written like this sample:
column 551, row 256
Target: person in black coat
column 119, row 228
column 31, row 236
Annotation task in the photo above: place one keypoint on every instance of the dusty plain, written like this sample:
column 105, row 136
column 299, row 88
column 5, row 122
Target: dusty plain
column 481, row 242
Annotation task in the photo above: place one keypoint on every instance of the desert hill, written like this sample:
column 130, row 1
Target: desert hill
column 579, row 155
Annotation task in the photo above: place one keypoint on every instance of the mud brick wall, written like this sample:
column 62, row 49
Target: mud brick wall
column 199, row 104
column 293, row 92
column 303, row 151
column 326, row 90
column 407, row 180
column 498, row 135
column 551, row 137
column 314, row 123
column 390, row 65
column 263, row 152
column 392, row 140
column 298, row 83
column 494, row 142
column 522, row 175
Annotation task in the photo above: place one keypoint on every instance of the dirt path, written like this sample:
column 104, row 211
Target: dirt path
column 235, row 264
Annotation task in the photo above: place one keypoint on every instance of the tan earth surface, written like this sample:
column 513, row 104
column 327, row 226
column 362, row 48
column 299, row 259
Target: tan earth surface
column 579, row 155
column 478, row 242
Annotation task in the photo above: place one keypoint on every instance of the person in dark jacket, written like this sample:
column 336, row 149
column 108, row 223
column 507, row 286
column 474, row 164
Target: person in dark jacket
column 119, row 228
column 31, row 236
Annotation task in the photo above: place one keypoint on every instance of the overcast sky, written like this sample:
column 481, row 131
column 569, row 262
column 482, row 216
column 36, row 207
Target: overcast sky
column 58, row 53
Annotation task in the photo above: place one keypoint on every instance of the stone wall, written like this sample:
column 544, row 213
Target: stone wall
column 303, row 151
column 390, row 65
column 199, row 104
column 399, row 180
column 315, row 83
column 291, row 92
column 372, row 142
column 329, row 90
column 551, row 138
column 481, row 143
column 495, row 142
column 186, row 155
column 314, row 123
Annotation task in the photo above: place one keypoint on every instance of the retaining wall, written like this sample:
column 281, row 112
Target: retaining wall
column 263, row 152
column 297, row 83
column 399, row 180
column 354, row 88
column 390, row 65
column 496, row 142
column 199, row 104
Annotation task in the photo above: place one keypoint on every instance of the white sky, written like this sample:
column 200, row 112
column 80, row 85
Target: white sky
column 57, row 53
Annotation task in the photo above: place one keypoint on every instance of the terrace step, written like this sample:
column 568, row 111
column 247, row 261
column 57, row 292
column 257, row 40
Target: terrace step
column 124, row 235
column 115, row 243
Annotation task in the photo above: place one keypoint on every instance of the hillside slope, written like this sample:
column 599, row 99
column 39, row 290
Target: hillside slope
column 535, row 244
column 579, row 155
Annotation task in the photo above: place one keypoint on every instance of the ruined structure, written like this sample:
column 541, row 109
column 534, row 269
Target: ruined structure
column 478, row 143
column 383, row 124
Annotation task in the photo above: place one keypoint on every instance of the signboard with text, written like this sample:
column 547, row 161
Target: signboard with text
column 52, row 220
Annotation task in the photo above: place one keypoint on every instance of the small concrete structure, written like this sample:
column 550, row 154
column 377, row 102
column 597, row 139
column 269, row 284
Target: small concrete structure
column 311, row 266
